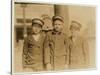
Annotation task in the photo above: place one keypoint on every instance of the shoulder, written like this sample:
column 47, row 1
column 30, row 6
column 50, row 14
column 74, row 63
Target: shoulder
column 49, row 33
column 27, row 37
column 43, row 34
column 81, row 38
column 65, row 35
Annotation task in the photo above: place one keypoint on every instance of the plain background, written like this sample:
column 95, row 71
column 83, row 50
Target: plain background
column 5, row 36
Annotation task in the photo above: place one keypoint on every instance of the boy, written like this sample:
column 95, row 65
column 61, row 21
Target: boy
column 33, row 47
column 56, row 49
column 79, row 55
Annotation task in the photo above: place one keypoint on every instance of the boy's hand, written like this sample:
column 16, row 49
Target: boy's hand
column 48, row 66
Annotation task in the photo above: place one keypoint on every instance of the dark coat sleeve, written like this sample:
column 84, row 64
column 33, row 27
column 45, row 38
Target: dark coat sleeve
column 25, row 46
column 67, row 49
column 46, row 50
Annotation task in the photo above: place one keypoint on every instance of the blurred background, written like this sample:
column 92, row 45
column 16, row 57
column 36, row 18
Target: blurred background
column 25, row 12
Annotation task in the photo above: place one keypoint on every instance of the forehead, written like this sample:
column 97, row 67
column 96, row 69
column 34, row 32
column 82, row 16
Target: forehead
column 36, row 25
column 57, row 21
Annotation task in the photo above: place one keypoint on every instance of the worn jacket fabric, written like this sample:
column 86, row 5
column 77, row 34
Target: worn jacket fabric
column 56, row 50
column 78, row 53
column 33, row 52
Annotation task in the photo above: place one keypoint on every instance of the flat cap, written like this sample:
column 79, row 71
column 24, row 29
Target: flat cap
column 57, row 18
column 76, row 24
column 37, row 21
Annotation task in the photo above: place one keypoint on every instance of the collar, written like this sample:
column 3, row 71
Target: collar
column 54, row 32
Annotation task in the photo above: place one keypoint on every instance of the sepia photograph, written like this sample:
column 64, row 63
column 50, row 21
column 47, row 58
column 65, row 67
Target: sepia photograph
column 53, row 37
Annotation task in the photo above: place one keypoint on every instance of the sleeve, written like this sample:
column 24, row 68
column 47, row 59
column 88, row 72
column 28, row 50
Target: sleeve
column 24, row 54
column 46, row 50
column 25, row 46
column 86, row 51
column 67, row 49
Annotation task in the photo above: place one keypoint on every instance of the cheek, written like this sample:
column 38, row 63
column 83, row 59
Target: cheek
column 75, row 32
column 33, row 29
column 57, row 26
column 61, row 26
column 39, row 29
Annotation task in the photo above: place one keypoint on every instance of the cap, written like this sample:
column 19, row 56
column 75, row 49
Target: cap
column 37, row 21
column 76, row 24
column 57, row 18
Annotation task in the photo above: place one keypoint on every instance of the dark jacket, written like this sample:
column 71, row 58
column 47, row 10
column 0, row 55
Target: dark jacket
column 56, row 50
column 33, row 52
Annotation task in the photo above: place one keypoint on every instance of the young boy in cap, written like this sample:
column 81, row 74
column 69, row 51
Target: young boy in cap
column 56, row 47
column 79, row 55
column 33, row 47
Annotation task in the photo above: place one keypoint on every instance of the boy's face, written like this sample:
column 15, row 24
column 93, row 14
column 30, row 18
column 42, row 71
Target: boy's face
column 74, row 30
column 36, row 28
column 58, row 25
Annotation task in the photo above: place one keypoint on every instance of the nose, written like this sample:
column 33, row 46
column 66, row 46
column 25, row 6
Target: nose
column 56, row 27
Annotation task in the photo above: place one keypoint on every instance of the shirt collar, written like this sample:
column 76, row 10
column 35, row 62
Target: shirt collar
column 54, row 32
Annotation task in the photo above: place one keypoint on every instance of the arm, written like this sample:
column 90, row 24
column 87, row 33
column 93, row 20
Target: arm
column 47, row 53
column 24, row 54
column 67, row 51
column 25, row 46
column 86, row 52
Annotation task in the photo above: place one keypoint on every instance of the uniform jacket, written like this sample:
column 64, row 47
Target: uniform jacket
column 56, row 50
column 33, row 52
column 78, row 53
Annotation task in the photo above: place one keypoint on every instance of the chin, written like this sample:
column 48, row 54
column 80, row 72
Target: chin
column 58, row 30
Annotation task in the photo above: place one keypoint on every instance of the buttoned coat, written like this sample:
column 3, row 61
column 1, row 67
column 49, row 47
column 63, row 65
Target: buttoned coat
column 56, row 50
column 33, row 52
column 78, row 53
